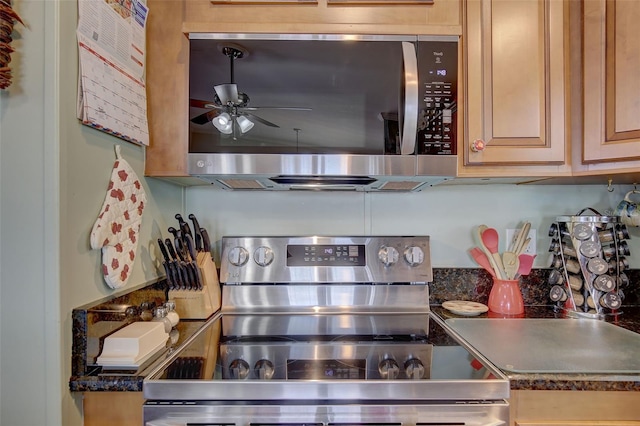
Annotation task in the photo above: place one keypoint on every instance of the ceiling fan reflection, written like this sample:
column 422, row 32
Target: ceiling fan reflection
column 229, row 110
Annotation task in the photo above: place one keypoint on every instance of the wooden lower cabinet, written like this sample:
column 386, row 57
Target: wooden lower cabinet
column 112, row 408
column 528, row 408
column 574, row 408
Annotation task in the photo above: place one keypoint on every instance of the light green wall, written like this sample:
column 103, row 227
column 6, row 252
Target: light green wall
column 54, row 175
column 449, row 214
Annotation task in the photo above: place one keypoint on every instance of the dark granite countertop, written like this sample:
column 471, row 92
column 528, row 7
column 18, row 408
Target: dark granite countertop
column 628, row 319
column 97, row 380
column 448, row 284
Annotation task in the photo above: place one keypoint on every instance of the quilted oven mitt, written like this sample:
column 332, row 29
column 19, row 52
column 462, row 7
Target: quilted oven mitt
column 118, row 225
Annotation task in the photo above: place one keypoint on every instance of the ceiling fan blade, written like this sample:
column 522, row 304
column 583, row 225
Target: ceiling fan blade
column 272, row 107
column 261, row 120
column 198, row 103
column 227, row 93
column 206, row 117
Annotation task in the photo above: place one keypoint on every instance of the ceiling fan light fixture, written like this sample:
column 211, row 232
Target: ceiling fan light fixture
column 223, row 123
column 244, row 123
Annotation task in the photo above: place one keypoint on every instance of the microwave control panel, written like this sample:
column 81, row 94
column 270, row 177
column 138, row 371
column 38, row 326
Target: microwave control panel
column 438, row 85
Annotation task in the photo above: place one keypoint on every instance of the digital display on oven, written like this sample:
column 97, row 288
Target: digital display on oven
column 326, row 255
column 326, row 369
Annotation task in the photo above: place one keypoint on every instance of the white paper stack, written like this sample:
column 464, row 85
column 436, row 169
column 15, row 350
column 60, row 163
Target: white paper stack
column 132, row 345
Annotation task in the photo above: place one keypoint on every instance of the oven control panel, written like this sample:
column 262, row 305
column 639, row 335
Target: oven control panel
column 326, row 361
column 316, row 259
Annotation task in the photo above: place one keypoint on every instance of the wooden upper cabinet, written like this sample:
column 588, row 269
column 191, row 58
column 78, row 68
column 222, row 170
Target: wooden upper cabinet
column 515, row 68
column 170, row 22
column 167, row 77
column 611, row 122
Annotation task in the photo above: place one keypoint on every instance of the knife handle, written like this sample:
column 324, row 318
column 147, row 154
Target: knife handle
column 167, row 271
column 174, row 232
column 184, row 226
column 189, row 243
column 163, row 249
column 196, row 232
column 180, row 249
column 172, row 251
column 206, row 242
column 177, row 270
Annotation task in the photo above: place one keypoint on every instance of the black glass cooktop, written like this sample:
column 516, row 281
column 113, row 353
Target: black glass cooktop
column 264, row 347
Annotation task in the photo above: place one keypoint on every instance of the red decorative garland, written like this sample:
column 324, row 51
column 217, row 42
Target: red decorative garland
column 8, row 17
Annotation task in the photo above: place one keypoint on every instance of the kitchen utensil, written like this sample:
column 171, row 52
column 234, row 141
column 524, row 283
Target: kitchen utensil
column 176, row 273
column 194, row 261
column 183, row 258
column 479, row 231
column 176, row 233
column 511, row 264
column 525, row 263
column 181, row 274
column 166, row 263
column 522, row 238
column 481, row 259
column 184, row 226
column 491, row 240
column 523, row 246
column 197, row 235
column 206, row 242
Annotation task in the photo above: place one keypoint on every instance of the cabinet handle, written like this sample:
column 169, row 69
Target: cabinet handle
column 478, row 145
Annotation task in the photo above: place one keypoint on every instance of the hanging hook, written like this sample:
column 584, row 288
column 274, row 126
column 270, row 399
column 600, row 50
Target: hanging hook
column 609, row 187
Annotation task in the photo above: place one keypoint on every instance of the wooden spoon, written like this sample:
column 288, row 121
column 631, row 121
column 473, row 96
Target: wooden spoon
column 481, row 259
column 511, row 264
column 491, row 240
column 523, row 238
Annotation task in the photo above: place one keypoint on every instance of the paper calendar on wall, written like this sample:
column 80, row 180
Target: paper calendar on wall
column 111, row 88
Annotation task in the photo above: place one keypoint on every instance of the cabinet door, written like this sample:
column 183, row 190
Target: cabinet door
column 167, row 90
column 514, row 64
column 611, row 80
column 574, row 408
column 112, row 408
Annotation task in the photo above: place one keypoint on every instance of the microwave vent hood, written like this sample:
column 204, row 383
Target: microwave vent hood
column 322, row 172
column 323, row 112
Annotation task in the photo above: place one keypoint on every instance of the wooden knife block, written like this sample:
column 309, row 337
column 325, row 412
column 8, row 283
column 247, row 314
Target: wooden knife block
column 200, row 304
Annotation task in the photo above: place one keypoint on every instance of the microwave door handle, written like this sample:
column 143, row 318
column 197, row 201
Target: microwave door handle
column 410, row 107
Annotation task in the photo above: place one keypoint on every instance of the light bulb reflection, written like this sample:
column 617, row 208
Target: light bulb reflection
column 244, row 123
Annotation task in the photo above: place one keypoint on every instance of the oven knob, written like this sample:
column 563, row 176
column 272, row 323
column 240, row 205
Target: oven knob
column 264, row 369
column 389, row 369
column 238, row 256
column 239, row 369
column 388, row 255
column 414, row 369
column 414, row 255
column 263, row 256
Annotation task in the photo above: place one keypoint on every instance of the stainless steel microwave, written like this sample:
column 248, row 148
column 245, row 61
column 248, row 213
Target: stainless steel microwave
column 313, row 111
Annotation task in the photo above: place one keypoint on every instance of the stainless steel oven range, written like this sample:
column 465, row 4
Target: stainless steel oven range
column 326, row 331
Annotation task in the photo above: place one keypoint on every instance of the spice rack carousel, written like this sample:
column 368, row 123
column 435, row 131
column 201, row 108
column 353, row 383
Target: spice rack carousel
column 589, row 259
